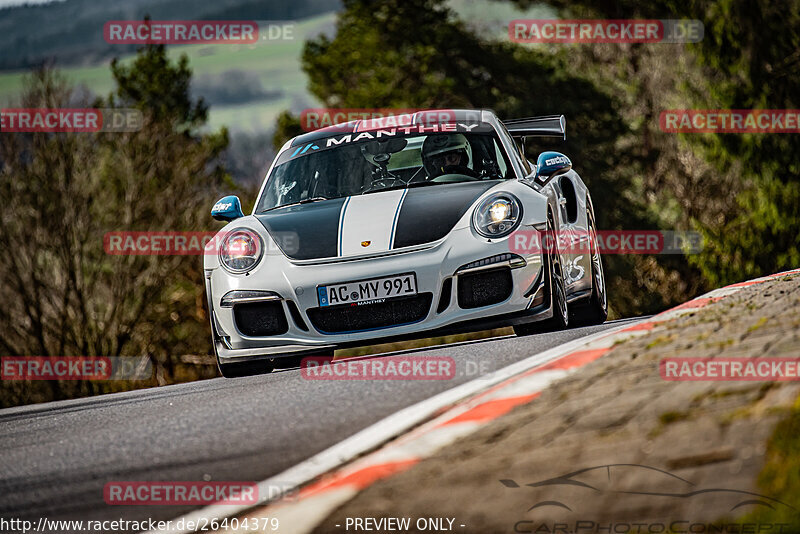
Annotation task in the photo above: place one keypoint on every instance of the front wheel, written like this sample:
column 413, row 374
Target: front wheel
column 595, row 311
column 557, row 290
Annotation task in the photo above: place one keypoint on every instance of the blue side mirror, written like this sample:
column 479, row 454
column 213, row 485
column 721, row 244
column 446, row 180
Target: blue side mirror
column 227, row 209
column 551, row 164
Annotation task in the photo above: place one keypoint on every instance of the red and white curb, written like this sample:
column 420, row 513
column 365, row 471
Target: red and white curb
column 715, row 295
column 416, row 432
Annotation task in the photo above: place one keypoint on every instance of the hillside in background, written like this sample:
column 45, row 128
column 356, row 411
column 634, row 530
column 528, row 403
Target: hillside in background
column 247, row 86
column 70, row 32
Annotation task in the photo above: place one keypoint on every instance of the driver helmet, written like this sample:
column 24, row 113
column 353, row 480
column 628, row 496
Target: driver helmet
column 441, row 151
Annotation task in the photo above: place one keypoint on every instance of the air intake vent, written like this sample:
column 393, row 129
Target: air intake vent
column 260, row 319
column 512, row 260
column 483, row 288
column 392, row 312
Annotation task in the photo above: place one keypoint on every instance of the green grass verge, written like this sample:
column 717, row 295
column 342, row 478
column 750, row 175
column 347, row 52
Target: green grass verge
column 780, row 476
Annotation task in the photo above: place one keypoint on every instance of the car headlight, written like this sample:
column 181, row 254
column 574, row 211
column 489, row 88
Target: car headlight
column 497, row 216
column 241, row 250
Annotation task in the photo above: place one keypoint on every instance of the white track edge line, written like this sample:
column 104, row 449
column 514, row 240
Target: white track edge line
column 387, row 428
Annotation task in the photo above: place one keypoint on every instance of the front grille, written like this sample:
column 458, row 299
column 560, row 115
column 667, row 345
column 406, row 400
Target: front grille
column 354, row 318
column 260, row 319
column 483, row 288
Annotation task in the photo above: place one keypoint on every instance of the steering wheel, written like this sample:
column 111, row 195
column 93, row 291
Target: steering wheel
column 450, row 170
column 454, row 177
column 456, row 173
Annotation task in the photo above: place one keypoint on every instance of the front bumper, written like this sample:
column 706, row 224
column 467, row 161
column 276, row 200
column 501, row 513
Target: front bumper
column 293, row 285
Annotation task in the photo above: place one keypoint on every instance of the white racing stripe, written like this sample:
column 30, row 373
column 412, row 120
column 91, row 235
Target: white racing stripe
column 369, row 219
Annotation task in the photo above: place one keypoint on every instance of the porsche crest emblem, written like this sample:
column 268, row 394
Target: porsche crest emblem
column 365, row 243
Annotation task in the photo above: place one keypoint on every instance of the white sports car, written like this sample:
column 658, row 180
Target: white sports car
column 396, row 228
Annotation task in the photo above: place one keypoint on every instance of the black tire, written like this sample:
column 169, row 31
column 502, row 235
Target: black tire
column 595, row 310
column 248, row 368
column 557, row 291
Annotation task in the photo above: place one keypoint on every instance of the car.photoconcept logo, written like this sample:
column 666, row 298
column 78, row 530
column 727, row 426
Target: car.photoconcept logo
column 632, row 487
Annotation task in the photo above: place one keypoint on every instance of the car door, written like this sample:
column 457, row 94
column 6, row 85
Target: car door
column 574, row 233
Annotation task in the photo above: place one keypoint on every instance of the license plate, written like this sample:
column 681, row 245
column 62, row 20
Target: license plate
column 367, row 291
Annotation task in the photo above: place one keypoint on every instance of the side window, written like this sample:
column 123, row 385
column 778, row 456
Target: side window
column 521, row 148
column 514, row 149
column 568, row 190
column 501, row 161
column 409, row 157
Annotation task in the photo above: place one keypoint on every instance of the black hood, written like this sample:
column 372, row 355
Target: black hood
column 421, row 215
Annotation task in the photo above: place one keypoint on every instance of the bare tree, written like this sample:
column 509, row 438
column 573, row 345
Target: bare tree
column 62, row 294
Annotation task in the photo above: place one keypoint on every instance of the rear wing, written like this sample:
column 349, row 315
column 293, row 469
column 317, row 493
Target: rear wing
column 547, row 126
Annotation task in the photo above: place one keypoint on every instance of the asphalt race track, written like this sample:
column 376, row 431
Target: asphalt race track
column 57, row 457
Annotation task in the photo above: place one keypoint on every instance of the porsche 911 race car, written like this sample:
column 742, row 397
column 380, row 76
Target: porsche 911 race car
column 401, row 227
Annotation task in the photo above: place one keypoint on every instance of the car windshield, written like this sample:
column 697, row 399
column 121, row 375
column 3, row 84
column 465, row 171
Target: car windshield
column 364, row 163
